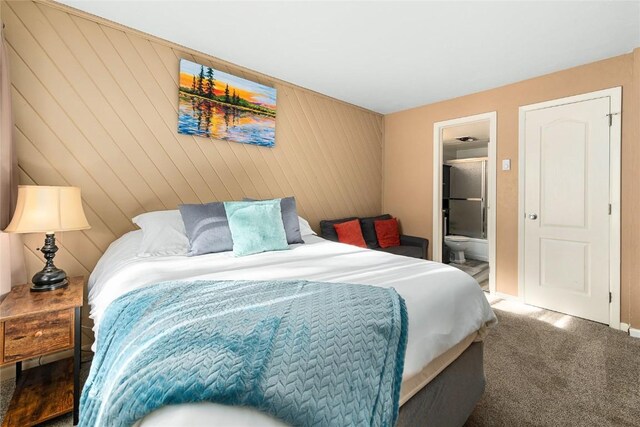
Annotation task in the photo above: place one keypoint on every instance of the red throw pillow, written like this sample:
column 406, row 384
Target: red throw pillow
column 350, row 232
column 387, row 232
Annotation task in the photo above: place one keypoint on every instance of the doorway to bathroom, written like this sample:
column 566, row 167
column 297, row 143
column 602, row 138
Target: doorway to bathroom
column 464, row 193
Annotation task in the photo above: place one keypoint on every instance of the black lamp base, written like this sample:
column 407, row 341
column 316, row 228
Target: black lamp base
column 49, row 280
column 49, row 287
column 50, row 277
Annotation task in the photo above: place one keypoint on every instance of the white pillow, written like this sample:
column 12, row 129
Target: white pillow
column 163, row 234
column 305, row 228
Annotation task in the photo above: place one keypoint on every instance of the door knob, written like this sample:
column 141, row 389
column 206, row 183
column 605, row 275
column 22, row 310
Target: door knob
column 533, row 216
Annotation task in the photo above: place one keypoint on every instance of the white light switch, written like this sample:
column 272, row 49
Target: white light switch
column 506, row 164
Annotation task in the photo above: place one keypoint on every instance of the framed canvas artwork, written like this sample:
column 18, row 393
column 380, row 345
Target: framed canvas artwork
column 218, row 105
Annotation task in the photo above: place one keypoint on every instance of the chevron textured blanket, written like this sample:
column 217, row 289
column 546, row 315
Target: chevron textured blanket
column 308, row 353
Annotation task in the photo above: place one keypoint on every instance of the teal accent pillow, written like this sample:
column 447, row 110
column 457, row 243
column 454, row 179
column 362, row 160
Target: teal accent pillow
column 256, row 227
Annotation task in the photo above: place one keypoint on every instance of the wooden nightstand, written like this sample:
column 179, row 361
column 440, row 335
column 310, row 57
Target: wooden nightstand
column 34, row 324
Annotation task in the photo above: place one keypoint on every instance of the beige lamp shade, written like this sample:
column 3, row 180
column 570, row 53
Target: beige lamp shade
column 45, row 209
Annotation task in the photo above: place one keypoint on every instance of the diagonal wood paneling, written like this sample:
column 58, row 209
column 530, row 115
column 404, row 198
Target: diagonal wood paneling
column 96, row 103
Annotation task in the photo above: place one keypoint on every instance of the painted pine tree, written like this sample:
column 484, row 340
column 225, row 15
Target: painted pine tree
column 210, row 83
column 201, row 81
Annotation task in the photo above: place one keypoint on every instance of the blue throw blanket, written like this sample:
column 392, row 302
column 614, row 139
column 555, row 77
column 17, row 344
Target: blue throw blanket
column 310, row 354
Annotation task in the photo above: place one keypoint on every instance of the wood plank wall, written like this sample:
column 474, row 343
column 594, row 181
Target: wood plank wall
column 95, row 105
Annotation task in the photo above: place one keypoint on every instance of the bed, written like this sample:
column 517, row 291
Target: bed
column 448, row 316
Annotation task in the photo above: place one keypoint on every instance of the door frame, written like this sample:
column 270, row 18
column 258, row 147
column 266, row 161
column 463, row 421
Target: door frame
column 615, row 107
column 437, row 237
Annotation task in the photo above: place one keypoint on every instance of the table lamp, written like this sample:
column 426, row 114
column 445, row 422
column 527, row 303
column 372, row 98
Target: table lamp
column 45, row 209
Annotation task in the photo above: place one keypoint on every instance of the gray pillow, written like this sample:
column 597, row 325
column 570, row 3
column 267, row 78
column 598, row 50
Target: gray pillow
column 289, row 219
column 207, row 228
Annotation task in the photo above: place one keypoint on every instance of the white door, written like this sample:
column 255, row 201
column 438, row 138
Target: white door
column 566, row 205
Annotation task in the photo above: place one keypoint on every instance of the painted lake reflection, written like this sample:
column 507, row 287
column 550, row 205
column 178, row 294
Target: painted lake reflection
column 207, row 118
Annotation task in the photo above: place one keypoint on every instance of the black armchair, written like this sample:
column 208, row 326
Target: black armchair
column 410, row 246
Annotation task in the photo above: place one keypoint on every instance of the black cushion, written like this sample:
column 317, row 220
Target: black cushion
column 328, row 231
column 369, row 230
column 411, row 251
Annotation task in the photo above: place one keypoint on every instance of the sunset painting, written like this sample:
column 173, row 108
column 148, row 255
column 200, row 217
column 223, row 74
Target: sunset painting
column 217, row 105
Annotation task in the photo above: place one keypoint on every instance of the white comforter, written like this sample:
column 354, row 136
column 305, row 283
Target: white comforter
column 444, row 304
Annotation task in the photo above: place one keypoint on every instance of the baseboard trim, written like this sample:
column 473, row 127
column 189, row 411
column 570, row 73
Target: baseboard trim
column 507, row 296
column 633, row 332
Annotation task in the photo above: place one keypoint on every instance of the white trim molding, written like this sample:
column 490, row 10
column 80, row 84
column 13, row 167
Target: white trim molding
column 633, row 332
column 437, row 237
column 615, row 109
column 507, row 297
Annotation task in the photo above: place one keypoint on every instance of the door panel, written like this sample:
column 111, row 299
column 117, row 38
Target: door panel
column 563, row 171
column 566, row 228
column 564, row 265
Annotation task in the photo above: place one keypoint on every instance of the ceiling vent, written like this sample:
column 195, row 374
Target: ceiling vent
column 466, row 139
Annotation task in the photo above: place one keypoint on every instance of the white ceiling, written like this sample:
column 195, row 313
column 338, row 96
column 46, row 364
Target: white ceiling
column 388, row 56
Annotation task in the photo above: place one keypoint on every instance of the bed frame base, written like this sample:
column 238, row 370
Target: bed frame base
column 448, row 400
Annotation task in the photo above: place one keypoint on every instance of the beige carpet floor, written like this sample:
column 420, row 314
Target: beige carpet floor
column 543, row 369
column 549, row 369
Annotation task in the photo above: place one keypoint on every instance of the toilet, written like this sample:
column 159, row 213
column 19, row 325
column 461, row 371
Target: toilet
column 457, row 245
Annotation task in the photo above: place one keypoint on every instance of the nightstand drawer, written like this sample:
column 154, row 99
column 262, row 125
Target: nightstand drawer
column 31, row 336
